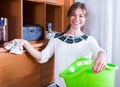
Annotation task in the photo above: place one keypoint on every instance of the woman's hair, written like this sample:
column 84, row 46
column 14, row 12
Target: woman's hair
column 73, row 7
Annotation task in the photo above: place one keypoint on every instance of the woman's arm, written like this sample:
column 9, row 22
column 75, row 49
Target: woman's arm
column 40, row 57
column 32, row 51
column 98, row 54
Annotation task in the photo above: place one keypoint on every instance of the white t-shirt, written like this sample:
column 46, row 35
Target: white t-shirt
column 66, row 53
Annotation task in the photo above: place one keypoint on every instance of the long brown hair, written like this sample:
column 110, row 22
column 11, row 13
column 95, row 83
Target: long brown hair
column 73, row 7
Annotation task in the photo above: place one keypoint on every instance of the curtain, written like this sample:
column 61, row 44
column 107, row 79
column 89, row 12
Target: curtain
column 104, row 24
column 116, row 39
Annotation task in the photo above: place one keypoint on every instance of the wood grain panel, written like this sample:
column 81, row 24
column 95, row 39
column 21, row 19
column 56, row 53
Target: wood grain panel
column 19, row 71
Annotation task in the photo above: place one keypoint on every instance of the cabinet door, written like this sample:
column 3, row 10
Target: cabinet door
column 19, row 71
column 48, row 72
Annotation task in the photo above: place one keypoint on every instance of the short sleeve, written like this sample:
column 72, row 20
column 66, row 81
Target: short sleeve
column 94, row 46
column 48, row 51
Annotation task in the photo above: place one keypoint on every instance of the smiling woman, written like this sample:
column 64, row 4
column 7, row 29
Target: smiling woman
column 104, row 25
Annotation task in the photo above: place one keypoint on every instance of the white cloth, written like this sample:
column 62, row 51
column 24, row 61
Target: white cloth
column 14, row 47
column 66, row 53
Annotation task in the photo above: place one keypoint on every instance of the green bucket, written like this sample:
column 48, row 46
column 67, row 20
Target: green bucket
column 80, row 74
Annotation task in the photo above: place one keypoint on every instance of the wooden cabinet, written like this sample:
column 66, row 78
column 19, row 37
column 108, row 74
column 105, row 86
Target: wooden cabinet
column 23, row 70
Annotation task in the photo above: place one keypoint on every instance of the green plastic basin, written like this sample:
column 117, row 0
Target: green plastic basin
column 80, row 74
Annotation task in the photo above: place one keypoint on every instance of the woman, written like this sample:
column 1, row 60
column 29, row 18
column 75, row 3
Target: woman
column 70, row 45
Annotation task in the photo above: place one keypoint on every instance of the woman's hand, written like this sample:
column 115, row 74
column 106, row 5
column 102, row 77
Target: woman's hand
column 34, row 52
column 100, row 62
column 22, row 42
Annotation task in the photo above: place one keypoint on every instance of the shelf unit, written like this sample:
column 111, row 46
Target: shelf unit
column 32, row 12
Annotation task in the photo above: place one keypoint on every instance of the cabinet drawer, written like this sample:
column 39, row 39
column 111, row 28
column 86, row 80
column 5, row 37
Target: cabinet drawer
column 56, row 1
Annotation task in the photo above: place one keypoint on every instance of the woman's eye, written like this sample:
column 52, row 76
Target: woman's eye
column 81, row 16
column 73, row 15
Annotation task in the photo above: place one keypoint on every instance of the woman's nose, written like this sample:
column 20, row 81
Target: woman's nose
column 77, row 18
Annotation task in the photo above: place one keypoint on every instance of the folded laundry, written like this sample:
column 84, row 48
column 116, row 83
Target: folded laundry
column 14, row 47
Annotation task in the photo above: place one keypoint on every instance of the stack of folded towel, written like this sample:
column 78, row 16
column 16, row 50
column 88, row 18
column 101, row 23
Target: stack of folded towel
column 14, row 47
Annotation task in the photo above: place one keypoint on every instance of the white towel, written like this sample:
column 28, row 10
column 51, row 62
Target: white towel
column 14, row 47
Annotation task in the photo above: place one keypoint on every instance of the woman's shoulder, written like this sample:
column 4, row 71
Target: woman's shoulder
column 58, row 34
column 91, row 39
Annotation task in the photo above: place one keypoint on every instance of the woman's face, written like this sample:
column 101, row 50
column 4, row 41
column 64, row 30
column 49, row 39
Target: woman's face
column 77, row 19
